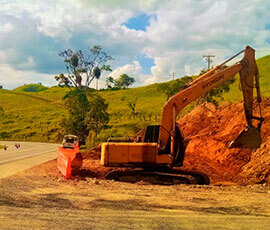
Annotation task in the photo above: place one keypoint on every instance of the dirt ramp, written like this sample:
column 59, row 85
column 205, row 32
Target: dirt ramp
column 210, row 130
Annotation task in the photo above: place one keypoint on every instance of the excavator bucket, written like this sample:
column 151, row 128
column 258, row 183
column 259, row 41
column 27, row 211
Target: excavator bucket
column 248, row 138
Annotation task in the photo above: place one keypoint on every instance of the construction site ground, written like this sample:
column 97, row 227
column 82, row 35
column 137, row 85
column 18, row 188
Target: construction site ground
column 237, row 198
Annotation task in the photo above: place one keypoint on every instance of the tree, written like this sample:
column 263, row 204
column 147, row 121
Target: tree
column 96, row 74
column 124, row 81
column 79, row 65
column 78, row 106
column 172, row 87
column 110, row 82
column 63, row 80
column 97, row 116
column 132, row 105
column 1, row 87
column 86, row 112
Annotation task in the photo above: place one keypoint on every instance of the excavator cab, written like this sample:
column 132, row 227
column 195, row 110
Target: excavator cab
column 152, row 135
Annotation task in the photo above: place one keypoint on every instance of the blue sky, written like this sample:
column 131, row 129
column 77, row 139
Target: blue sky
column 146, row 63
column 149, row 39
column 139, row 22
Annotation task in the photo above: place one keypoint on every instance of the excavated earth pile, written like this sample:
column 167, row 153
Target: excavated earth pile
column 209, row 130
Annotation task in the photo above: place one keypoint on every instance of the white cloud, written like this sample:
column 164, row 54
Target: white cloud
column 180, row 33
column 186, row 30
column 10, row 78
column 6, row 28
column 187, row 70
column 132, row 70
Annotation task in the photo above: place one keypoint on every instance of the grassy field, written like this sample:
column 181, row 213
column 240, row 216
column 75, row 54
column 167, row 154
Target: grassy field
column 34, row 112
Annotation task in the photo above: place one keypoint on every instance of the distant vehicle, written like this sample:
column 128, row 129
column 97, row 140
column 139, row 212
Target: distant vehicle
column 70, row 141
column 17, row 145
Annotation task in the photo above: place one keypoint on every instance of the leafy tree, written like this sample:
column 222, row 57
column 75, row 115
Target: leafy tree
column 110, row 82
column 86, row 112
column 97, row 116
column 1, row 87
column 124, row 81
column 96, row 73
column 79, row 64
column 78, row 106
column 173, row 87
column 63, row 80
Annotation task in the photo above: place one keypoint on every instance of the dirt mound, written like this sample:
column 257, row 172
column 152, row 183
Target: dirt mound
column 210, row 130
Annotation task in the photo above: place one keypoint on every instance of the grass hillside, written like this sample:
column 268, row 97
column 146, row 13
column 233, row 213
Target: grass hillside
column 28, row 117
column 34, row 112
column 31, row 88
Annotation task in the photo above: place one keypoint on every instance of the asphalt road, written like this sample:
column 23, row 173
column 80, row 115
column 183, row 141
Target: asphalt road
column 27, row 149
column 15, row 160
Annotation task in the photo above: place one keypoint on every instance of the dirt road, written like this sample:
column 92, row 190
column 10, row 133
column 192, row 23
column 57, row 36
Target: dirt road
column 40, row 198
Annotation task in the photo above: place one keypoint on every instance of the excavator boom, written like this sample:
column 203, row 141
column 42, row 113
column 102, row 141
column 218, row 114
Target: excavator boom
column 248, row 72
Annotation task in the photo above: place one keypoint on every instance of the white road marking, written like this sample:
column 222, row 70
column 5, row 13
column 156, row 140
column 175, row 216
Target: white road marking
column 27, row 156
column 27, row 147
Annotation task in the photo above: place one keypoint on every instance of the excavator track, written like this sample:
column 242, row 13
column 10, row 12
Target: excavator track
column 162, row 177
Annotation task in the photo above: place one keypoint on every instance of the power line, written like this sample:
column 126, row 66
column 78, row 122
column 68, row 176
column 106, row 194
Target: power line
column 208, row 59
column 173, row 75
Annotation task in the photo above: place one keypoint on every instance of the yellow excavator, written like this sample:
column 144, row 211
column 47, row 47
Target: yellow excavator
column 163, row 146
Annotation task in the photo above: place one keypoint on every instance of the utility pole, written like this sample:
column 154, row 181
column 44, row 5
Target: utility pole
column 173, row 75
column 208, row 59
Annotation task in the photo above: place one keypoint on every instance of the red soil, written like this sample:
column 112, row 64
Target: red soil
column 210, row 130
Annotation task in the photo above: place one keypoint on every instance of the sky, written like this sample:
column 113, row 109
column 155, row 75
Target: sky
column 148, row 39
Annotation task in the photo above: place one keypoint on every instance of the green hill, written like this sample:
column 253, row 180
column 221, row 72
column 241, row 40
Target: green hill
column 31, row 88
column 34, row 112
column 27, row 117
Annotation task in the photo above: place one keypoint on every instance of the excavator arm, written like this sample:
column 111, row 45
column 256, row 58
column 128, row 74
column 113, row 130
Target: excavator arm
column 248, row 71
